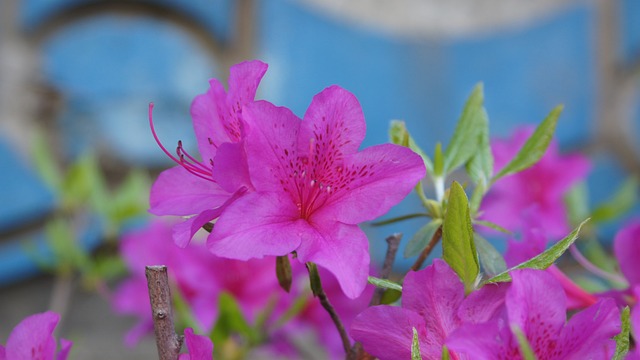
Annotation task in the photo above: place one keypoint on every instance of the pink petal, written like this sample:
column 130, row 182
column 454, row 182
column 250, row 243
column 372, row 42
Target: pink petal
column 230, row 169
column 589, row 332
column 436, row 293
column 483, row 304
column 151, row 245
column 626, row 247
column 484, row 341
column 271, row 145
column 244, row 79
column 256, row 225
column 208, row 112
column 199, row 347
column 3, row 353
column 539, row 317
column 334, row 121
column 178, row 192
column 376, row 179
column 386, row 332
column 340, row 248
column 33, row 338
column 577, row 298
column 65, row 348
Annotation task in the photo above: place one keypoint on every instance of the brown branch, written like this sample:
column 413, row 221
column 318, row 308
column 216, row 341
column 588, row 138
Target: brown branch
column 318, row 291
column 393, row 242
column 168, row 342
column 425, row 253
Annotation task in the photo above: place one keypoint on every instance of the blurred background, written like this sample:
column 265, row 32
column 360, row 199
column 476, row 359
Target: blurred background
column 76, row 77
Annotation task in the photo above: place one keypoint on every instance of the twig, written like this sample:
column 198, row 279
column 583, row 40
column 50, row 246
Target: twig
column 318, row 291
column 393, row 243
column 425, row 253
column 168, row 342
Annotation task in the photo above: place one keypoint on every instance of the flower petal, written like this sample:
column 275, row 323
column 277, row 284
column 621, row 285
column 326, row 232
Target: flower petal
column 334, row 122
column 178, row 192
column 483, row 304
column 230, row 169
column 626, row 247
column 33, row 338
column 484, row 341
column 589, row 332
column 376, row 179
column 436, row 293
column 65, row 348
column 208, row 112
column 256, row 225
column 386, row 332
column 340, row 248
column 199, row 347
column 244, row 79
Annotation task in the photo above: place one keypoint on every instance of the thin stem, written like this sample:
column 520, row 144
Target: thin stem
column 589, row 266
column 393, row 242
column 425, row 253
column 167, row 341
column 318, row 291
column 399, row 218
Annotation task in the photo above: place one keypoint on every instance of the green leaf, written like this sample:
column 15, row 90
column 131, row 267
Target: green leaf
column 544, row 259
column 492, row 261
column 384, row 283
column 445, row 353
column 231, row 321
column 576, row 201
column 314, row 278
column 420, row 240
column 458, row 248
column 299, row 304
column 480, row 167
column 390, row 296
column 62, row 240
column 621, row 202
column 415, row 346
column 622, row 339
column 525, row 348
column 438, row 162
column 84, row 184
column 44, row 161
column 464, row 142
column 398, row 219
column 535, row 147
column 283, row 272
column 399, row 135
column 493, row 226
column 476, row 198
column 130, row 199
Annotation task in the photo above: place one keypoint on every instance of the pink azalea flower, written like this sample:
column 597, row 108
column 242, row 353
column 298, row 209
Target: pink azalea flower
column 205, row 187
column 626, row 247
column 199, row 277
column 313, row 186
column 536, row 305
column 32, row 339
column 541, row 186
column 199, row 347
column 433, row 302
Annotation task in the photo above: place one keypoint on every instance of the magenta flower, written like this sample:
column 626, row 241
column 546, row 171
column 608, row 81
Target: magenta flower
column 313, row 186
column 626, row 247
column 205, row 187
column 536, row 305
column 32, row 339
column 538, row 190
column 433, row 302
column 199, row 347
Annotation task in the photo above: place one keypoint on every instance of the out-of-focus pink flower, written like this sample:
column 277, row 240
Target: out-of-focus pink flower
column 205, row 187
column 541, row 187
column 32, row 339
column 536, row 306
column 434, row 303
column 199, row 347
column 313, row 186
column 626, row 247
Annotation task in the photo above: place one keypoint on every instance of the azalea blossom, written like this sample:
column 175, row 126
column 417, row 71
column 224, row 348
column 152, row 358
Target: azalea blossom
column 33, row 338
column 434, row 303
column 313, row 186
column 537, row 191
column 199, row 347
column 202, row 188
column 536, row 306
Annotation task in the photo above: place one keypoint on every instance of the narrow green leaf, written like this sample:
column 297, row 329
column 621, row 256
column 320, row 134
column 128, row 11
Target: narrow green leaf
column 420, row 240
column 415, row 346
column 398, row 219
column 480, row 166
column 622, row 339
column 525, row 347
column 314, row 278
column 399, row 135
column 492, row 261
column 299, row 304
column 576, row 201
column 283, row 272
column 464, row 142
column 458, row 248
column 493, row 226
column 438, row 162
column 621, row 202
column 445, row 353
column 476, row 198
column 44, row 161
column 544, row 259
column 384, row 283
column 231, row 321
column 390, row 296
column 535, row 147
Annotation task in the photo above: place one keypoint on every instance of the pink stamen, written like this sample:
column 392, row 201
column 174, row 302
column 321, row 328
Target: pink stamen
column 196, row 168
